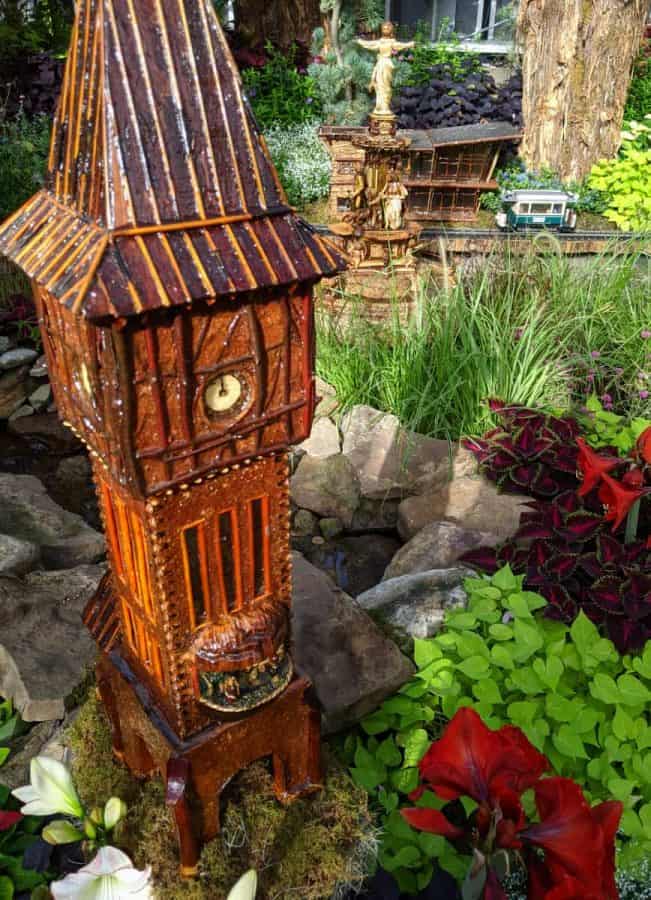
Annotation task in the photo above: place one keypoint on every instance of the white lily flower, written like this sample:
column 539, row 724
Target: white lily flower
column 110, row 876
column 50, row 791
column 246, row 888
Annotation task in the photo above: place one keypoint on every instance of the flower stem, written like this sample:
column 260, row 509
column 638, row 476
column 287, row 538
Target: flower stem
column 631, row 522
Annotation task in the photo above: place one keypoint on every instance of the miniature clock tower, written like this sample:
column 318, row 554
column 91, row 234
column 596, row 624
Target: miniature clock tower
column 174, row 290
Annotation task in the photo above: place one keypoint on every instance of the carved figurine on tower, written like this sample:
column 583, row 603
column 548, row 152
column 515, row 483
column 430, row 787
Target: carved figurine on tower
column 174, row 291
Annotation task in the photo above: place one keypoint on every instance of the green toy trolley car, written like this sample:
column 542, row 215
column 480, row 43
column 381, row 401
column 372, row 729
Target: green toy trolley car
column 522, row 210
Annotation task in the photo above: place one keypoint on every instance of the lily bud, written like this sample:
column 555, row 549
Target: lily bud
column 61, row 832
column 114, row 810
column 97, row 816
column 89, row 829
column 246, row 888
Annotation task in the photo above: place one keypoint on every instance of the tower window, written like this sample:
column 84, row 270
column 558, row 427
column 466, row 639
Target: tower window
column 229, row 557
column 259, row 532
column 196, row 571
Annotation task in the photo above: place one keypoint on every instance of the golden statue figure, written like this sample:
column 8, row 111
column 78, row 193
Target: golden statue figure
column 382, row 77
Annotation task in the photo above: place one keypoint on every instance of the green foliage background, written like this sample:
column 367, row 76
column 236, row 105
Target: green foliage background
column 577, row 700
column 24, row 146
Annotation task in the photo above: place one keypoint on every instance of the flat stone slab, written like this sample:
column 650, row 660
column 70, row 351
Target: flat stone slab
column 45, row 649
column 416, row 604
column 351, row 663
column 19, row 356
column 28, row 513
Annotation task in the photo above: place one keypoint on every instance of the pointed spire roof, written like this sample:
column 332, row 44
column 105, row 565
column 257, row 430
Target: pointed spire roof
column 159, row 189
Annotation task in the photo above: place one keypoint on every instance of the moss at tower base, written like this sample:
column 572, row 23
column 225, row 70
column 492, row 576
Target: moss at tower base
column 313, row 849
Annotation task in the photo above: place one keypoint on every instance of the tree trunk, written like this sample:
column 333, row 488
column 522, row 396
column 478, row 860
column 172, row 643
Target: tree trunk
column 283, row 22
column 577, row 62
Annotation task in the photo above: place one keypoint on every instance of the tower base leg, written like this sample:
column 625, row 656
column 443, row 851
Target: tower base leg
column 195, row 771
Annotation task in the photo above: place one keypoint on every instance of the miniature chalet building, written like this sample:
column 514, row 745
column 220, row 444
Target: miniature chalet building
column 174, row 291
column 444, row 170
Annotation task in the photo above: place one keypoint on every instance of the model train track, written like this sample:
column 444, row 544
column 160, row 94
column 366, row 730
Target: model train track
column 496, row 234
column 493, row 233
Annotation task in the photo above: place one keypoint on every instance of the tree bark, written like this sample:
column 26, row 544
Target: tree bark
column 577, row 62
column 283, row 22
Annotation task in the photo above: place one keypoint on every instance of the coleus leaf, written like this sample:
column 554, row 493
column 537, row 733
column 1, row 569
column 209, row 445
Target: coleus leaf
column 580, row 526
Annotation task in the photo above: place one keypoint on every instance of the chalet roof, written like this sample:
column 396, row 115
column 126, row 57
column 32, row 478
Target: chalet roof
column 482, row 132
column 159, row 187
column 427, row 139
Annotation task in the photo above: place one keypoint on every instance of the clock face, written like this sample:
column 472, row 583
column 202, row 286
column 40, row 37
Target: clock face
column 226, row 394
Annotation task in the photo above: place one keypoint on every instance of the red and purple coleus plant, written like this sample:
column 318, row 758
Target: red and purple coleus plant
column 569, row 854
column 531, row 452
column 568, row 546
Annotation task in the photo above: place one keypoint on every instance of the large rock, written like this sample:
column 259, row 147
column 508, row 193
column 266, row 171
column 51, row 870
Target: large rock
column 28, row 513
column 437, row 546
column 472, row 501
column 45, row 649
column 324, row 439
column 416, row 604
column 17, row 557
column 328, row 487
column 351, row 663
column 390, row 462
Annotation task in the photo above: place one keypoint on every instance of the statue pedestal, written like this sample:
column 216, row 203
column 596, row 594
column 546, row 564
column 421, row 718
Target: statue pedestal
column 383, row 124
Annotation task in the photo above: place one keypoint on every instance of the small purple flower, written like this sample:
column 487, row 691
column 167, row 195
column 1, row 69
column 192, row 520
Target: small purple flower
column 619, row 371
column 595, row 354
column 606, row 398
column 517, row 334
column 645, row 335
column 590, row 376
column 643, row 395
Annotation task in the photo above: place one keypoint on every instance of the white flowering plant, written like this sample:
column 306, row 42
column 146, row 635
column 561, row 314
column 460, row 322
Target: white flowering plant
column 51, row 792
column 302, row 162
column 110, row 876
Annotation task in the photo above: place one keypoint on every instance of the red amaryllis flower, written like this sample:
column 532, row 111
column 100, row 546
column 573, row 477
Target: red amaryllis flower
column 633, row 478
column 433, row 821
column 8, row 819
column 473, row 761
column 618, row 499
column 593, row 466
column 643, row 445
column 578, row 840
column 541, row 885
